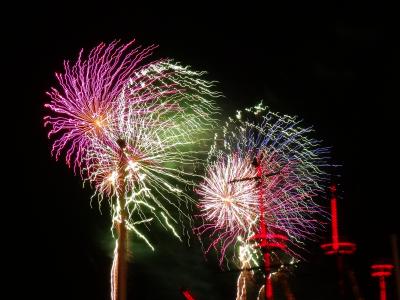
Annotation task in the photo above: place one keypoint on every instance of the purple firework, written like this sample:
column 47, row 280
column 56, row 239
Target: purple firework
column 87, row 91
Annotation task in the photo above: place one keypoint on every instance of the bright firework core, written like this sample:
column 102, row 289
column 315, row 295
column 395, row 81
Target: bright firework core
column 230, row 206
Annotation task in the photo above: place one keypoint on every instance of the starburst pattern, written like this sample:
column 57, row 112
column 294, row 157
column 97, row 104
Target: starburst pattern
column 81, row 105
column 228, row 209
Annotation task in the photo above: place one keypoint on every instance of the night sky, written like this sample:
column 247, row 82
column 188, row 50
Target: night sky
column 333, row 67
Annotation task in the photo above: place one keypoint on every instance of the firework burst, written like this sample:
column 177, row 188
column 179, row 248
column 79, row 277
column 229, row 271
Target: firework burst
column 161, row 111
column 87, row 90
column 228, row 209
column 289, row 175
column 135, row 132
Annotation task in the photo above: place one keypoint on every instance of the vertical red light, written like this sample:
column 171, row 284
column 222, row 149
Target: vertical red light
column 338, row 247
column 263, row 240
column 268, row 283
column 382, row 288
column 381, row 271
column 335, row 232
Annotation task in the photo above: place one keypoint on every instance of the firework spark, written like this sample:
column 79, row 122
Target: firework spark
column 248, row 260
column 291, row 177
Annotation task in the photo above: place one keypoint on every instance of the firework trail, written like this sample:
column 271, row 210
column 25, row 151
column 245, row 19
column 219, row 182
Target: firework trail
column 292, row 175
column 251, row 273
column 248, row 262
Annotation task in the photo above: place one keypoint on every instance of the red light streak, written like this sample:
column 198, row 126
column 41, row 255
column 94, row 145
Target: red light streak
column 382, row 288
column 382, row 267
column 187, row 295
column 336, row 246
column 263, row 239
column 335, row 233
column 267, row 241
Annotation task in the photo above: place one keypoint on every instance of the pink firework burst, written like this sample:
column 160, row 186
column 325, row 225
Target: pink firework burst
column 227, row 208
column 81, row 105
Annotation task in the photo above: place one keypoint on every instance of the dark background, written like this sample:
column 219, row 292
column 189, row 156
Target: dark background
column 332, row 66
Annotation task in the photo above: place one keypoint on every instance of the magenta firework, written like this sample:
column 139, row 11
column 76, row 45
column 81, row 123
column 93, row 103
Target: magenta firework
column 81, row 105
